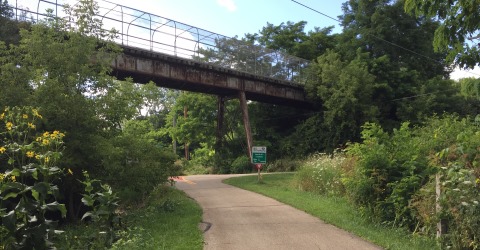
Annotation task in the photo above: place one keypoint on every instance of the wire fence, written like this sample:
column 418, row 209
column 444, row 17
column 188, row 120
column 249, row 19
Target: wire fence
column 143, row 30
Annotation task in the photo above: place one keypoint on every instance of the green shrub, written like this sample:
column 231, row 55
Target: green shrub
column 134, row 163
column 459, row 170
column 283, row 165
column 192, row 168
column 321, row 173
column 389, row 170
column 393, row 178
column 241, row 165
column 103, row 203
column 203, row 156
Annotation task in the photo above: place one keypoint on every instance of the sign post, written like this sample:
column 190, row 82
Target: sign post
column 259, row 157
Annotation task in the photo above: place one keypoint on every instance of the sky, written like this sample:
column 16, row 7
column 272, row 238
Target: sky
column 239, row 17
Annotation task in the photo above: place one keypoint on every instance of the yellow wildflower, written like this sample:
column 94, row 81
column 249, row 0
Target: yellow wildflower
column 2, row 176
column 25, row 116
column 45, row 142
column 2, row 150
column 37, row 157
column 39, row 139
column 35, row 113
column 31, row 125
column 46, row 134
column 47, row 159
column 30, row 154
column 13, row 178
column 70, row 171
column 2, row 116
column 9, row 125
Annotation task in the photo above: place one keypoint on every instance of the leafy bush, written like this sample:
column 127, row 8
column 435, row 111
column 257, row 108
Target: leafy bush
column 103, row 203
column 321, row 173
column 203, row 156
column 241, row 165
column 394, row 178
column 283, row 165
column 193, row 168
column 388, row 172
column 459, row 170
column 134, row 163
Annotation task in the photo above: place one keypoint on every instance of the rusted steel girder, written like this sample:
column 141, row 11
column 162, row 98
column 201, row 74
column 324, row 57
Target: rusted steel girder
column 184, row 74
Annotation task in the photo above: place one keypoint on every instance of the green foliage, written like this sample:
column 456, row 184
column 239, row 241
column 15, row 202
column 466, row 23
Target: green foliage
column 27, row 182
column 103, row 203
column 133, row 161
column 470, row 87
column 308, row 138
column 9, row 28
column 167, row 220
column 241, row 165
column 460, row 185
column 283, row 165
column 373, row 25
column 292, row 38
column 392, row 177
column 203, row 156
column 460, row 22
column 387, row 172
column 346, row 89
column 196, row 127
column 321, row 174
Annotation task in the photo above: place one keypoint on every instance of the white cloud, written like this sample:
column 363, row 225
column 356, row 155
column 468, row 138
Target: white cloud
column 229, row 4
column 460, row 73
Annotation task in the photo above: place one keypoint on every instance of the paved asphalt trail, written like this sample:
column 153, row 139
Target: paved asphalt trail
column 239, row 219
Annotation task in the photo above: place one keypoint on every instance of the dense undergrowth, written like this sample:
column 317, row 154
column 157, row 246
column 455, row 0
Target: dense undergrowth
column 168, row 219
column 391, row 178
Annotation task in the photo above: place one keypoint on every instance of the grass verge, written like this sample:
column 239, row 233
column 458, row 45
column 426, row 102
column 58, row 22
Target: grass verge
column 169, row 220
column 334, row 210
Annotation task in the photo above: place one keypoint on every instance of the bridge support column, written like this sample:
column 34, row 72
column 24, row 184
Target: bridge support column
column 220, row 119
column 187, row 152
column 246, row 122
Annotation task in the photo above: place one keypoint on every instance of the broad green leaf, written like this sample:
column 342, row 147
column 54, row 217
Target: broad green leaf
column 86, row 215
column 9, row 220
column 88, row 201
column 35, row 195
column 42, row 188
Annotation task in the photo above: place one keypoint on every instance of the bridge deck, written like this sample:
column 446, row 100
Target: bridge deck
column 184, row 74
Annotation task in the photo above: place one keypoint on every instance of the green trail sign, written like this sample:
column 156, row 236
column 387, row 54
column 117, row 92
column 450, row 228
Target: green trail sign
column 259, row 154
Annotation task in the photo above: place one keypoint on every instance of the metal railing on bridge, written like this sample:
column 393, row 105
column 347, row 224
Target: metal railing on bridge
column 148, row 31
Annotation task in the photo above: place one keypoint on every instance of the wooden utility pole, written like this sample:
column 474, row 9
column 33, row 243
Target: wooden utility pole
column 441, row 225
column 246, row 122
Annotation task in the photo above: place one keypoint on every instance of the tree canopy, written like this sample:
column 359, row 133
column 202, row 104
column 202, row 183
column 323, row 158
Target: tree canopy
column 458, row 32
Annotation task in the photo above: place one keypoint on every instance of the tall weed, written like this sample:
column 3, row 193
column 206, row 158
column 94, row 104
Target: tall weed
column 321, row 173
